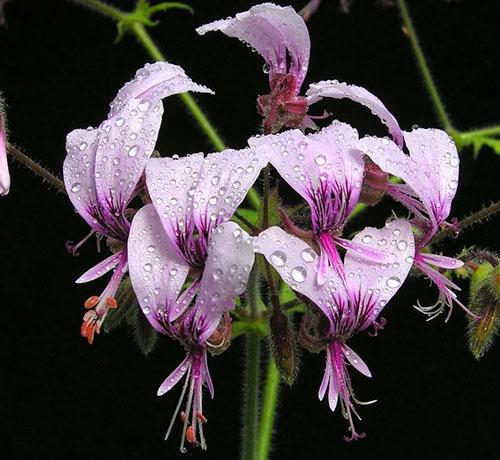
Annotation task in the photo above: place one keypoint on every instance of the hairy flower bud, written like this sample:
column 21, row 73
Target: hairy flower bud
column 484, row 301
column 374, row 184
column 283, row 346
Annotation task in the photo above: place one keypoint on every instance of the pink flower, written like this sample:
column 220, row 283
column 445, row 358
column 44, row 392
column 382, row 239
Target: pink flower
column 281, row 37
column 350, row 304
column 327, row 173
column 103, row 169
column 4, row 167
column 189, row 236
column 430, row 173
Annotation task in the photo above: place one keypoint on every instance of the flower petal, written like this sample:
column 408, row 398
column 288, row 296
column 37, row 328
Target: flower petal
column 204, row 190
column 296, row 263
column 79, row 170
column 338, row 90
column 125, row 144
column 313, row 162
column 437, row 159
column 230, row 259
column 154, row 82
column 156, row 271
column 101, row 268
column 375, row 283
column 441, row 261
column 273, row 31
column 4, row 167
column 175, row 377
column 356, row 361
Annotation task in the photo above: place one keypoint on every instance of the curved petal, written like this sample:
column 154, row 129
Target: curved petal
column 154, row 82
column 273, row 31
column 101, row 268
column 338, row 90
column 373, row 284
column 437, row 160
column 125, row 144
column 174, row 377
column 230, row 259
column 204, row 190
column 156, row 271
column 4, row 167
column 316, row 162
column 296, row 263
column 441, row 261
column 356, row 361
column 79, row 170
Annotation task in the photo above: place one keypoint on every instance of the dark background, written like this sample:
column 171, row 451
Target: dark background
column 62, row 398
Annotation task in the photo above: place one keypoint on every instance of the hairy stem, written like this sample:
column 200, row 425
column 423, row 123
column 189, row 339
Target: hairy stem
column 251, row 376
column 268, row 411
column 489, row 131
column 477, row 217
column 424, row 68
column 39, row 170
column 103, row 8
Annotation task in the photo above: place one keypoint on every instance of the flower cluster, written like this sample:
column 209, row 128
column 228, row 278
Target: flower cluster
column 167, row 221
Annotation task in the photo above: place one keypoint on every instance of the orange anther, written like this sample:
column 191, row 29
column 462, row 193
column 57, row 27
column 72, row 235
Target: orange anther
column 201, row 417
column 83, row 329
column 111, row 302
column 91, row 302
column 182, row 415
column 190, row 434
column 90, row 333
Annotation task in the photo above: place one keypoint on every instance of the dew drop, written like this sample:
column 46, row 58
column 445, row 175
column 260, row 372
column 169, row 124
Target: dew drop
column 393, row 282
column 320, row 160
column 308, row 255
column 278, row 258
column 133, row 151
column 76, row 187
column 402, row 245
column 366, row 239
column 217, row 274
column 151, row 248
column 299, row 274
column 147, row 267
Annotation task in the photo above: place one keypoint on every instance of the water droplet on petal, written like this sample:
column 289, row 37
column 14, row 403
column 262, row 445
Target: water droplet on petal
column 133, row 151
column 402, row 245
column 147, row 267
column 393, row 282
column 366, row 239
column 278, row 258
column 320, row 160
column 76, row 187
column 299, row 274
column 308, row 255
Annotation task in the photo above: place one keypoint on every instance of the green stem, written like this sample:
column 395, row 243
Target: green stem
column 490, row 131
column 103, row 8
column 251, row 375
column 475, row 218
column 424, row 68
column 37, row 169
column 268, row 412
column 193, row 107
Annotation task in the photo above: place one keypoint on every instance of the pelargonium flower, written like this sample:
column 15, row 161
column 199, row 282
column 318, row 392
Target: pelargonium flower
column 281, row 37
column 194, row 198
column 4, row 167
column 350, row 304
column 327, row 173
column 103, row 169
column 430, row 173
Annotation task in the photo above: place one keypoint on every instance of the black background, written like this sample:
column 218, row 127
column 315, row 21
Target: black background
column 62, row 398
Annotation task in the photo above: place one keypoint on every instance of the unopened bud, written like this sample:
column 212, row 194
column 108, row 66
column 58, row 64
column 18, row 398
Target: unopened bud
column 485, row 302
column 374, row 184
column 283, row 346
column 220, row 339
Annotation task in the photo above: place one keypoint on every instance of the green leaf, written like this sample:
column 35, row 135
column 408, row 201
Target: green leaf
column 145, row 335
column 127, row 303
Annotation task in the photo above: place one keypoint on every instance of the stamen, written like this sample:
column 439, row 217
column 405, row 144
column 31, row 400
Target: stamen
column 111, row 302
column 188, row 410
column 91, row 302
column 201, row 417
column 179, row 403
column 190, row 435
